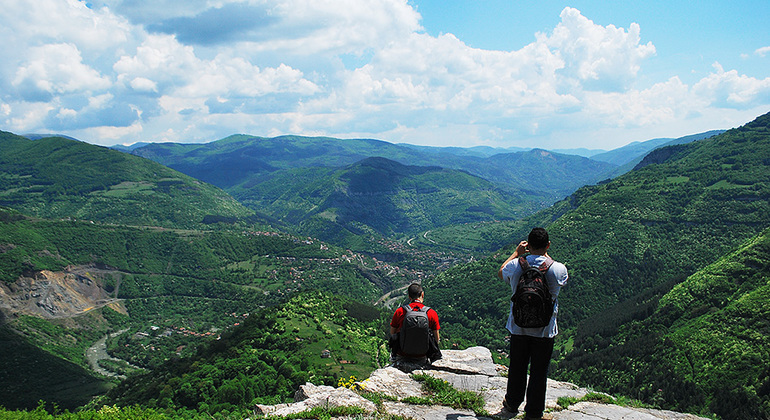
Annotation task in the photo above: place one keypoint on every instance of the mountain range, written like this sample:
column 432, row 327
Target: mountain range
column 186, row 243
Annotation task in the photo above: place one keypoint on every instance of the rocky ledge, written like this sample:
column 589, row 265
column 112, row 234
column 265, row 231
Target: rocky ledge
column 467, row 370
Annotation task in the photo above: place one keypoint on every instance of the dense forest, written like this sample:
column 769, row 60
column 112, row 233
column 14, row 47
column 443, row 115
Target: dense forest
column 626, row 243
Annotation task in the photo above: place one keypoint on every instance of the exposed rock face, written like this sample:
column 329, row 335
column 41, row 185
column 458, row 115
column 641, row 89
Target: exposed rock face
column 470, row 370
column 50, row 294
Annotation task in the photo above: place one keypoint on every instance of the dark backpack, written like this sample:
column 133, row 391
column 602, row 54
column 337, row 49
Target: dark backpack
column 532, row 303
column 414, row 335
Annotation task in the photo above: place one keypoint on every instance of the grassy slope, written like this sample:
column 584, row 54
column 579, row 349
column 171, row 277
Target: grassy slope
column 56, row 178
column 267, row 357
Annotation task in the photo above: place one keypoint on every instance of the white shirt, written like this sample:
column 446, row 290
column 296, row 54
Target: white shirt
column 556, row 276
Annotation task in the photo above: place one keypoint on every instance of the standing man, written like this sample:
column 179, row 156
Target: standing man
column 414, row 332
column 531, row 348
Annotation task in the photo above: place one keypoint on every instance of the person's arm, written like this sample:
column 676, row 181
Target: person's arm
column 393, row 330
column 435, row 334
column 521, row 249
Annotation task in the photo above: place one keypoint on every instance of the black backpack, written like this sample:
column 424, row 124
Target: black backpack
column 532, row 303
column 414, row 335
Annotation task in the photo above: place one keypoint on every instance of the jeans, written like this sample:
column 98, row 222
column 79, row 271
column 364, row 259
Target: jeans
column 533, row 354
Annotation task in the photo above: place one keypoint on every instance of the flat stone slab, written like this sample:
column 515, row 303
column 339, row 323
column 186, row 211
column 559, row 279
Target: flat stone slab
column 473, row 360
column 428, row 412
column 595, row 411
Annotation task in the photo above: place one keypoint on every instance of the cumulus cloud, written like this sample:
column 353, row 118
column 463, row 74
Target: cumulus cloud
column 163, row 70
column 762, row 51
column 55, row 69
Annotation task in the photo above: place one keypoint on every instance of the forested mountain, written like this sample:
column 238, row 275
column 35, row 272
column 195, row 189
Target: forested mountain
column 378, row 195
column 628, row 156
column 704, row 345
column 240, row 158
column 56, row 177
column 627, row 242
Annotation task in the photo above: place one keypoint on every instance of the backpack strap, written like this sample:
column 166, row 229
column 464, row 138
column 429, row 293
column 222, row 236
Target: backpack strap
column 523, row 263
column 546, row 265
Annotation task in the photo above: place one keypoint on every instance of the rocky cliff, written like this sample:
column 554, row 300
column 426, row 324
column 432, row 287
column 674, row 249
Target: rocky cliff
column 468, row 370
column 59, row 294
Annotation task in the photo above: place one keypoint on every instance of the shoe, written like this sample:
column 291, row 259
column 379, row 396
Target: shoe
column 508, row 407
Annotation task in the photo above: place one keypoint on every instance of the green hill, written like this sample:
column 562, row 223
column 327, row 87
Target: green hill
column 628, row 241
column 267, row 357
column 377, row 195
column 56, row 177
column 702, row 347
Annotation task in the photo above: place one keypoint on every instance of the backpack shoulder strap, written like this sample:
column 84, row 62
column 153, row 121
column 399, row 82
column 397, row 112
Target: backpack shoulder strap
column 523, row 263
column 425, row 309
column 546, row 264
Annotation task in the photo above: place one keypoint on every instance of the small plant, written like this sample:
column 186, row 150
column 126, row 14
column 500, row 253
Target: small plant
column 324, row 413
column 441, row 392
column 350, row 383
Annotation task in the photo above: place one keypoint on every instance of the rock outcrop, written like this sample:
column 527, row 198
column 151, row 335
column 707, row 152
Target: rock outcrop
column 468, row 370
column 62, row 294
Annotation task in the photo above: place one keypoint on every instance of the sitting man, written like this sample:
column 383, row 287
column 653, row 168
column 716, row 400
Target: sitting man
column 414, row 333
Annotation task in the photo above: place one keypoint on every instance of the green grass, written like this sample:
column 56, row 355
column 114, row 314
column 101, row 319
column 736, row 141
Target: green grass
column 441, row 392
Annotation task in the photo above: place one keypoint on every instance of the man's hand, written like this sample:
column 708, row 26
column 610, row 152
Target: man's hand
column 521, row 249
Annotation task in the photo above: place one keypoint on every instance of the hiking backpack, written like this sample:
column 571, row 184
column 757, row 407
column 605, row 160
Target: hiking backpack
column 532, row 303
column 415, row 331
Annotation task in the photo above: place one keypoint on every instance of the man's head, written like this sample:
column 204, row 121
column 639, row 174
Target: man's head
column 415, row 291
column 538, row 239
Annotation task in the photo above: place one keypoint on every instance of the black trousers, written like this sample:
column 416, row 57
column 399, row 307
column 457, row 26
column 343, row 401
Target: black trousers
column 533, row 354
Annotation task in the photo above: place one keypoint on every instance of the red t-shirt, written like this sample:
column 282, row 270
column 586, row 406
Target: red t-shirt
column 398, row 317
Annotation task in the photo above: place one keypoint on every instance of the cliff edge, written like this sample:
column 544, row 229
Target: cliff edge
column 466, row 370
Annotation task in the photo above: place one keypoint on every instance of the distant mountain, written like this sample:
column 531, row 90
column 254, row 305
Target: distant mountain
column 129, row 148
column 379, row 195
column 55, row 177
column 541, row 171
column 628, row 156
column 626, row 243
column 241, row 159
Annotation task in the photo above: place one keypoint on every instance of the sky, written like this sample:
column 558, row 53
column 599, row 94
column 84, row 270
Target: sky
column 500, row 73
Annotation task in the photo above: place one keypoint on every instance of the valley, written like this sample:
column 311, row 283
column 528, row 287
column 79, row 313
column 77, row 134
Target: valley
column 222, row 275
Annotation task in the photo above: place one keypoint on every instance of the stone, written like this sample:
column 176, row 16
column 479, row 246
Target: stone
column 391, row 382
column 427, row 412
column 310, row 396
column 473, row 360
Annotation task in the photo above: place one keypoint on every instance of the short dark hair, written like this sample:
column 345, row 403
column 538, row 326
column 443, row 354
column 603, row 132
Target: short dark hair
column 415, row 291
column 538, row 238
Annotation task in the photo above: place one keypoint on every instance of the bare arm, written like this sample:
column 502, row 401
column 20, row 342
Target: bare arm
column 521, row 249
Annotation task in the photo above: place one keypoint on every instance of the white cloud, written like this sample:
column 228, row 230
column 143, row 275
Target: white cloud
column 762, row 51
column 56, row 69
column 201, row 69
column 728, row 89
column 602, row 58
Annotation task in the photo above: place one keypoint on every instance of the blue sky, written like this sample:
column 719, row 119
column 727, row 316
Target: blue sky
column 594, row 74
